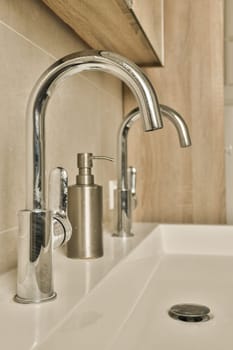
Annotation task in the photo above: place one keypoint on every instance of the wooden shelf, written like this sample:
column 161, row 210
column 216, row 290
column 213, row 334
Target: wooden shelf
column 132, row 28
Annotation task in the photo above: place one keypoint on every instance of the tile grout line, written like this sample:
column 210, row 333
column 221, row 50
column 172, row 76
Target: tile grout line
column 105, row 91
column 52, row 56
column 9, row 230
column 27, row 39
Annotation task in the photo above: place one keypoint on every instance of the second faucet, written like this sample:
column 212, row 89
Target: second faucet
column 126, row 176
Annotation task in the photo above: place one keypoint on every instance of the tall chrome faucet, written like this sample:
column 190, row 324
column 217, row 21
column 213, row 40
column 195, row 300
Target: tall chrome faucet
column 43, row 226
column 126, row 176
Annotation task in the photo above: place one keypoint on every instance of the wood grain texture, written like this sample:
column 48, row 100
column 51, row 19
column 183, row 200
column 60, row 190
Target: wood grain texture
column 176, row 184
column 111, row 25
column 150, row 16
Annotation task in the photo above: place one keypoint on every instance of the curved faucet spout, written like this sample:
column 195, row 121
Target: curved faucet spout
column 70, row 65
column 179, row 123
column 124, row 195
column 43, row 227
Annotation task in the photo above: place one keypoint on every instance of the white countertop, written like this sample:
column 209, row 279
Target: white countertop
column 23, row 327
column 121, row 301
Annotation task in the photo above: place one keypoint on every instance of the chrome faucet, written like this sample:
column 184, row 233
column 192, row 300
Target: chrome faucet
column 126, row 199
column 43, row 227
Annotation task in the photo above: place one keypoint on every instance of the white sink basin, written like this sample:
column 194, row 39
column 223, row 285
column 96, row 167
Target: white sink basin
column 126, row 307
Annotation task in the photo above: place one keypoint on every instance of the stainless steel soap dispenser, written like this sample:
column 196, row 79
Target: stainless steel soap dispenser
column 85, row 212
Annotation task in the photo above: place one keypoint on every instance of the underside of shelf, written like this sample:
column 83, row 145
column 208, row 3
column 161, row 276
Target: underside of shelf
column 128, row 27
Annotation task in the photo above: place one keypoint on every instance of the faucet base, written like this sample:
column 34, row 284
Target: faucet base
column 34, row 277
column 20, row 300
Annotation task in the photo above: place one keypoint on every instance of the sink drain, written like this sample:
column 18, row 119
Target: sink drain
column 190, row 312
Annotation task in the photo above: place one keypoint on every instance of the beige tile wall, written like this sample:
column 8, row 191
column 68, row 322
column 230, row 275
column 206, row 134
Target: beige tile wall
column 83, row 115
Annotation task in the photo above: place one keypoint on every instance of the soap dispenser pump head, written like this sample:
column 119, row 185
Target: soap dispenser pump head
column 85, row 163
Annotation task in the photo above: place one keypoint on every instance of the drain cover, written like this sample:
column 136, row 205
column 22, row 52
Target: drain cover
column 190, row 312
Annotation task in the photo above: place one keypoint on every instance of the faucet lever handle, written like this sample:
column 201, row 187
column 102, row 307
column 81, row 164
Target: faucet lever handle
column 58, row 201
column 132, row 176
column 58, row 191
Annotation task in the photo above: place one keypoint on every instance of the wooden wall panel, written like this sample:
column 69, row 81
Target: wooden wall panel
column 175, row 184
column 150, row 16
